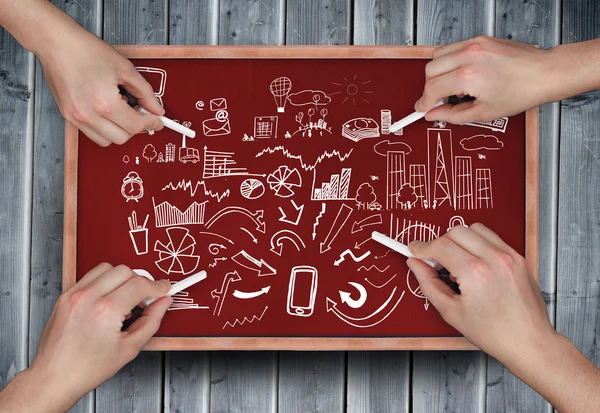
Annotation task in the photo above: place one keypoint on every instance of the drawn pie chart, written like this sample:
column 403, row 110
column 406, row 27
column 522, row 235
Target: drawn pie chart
column 177, row 255
column 252, row 189
column 283, row 180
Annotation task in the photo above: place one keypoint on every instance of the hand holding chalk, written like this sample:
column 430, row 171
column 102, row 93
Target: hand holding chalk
column 413, row 117
column 180, row 286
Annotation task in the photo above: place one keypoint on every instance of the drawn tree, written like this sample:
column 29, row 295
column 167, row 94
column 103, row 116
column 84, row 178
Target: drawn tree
column 407, row 197
column 365, row 196
column 149, row 152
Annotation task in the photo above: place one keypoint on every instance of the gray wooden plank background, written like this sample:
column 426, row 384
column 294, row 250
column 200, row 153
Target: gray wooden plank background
column 31, row 160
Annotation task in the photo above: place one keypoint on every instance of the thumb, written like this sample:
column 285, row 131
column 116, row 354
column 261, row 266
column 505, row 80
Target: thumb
column 146, row 326
column 436, row 290
column 141, row 89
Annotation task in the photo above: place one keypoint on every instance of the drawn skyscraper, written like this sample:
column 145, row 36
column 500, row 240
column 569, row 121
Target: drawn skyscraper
column 439, row 159
column 463, row 183
column 485, row 198
column 396, row 177
column 418, row 182
column 170, row 152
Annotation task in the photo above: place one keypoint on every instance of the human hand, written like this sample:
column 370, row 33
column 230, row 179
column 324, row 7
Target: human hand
column 500, row 308
column 506, row 77
column 82, row 344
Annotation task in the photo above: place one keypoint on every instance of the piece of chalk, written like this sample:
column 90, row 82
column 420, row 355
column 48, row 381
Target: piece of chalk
column 413, row 117
column 180, row 286
column 171, row 124
column 399, row 247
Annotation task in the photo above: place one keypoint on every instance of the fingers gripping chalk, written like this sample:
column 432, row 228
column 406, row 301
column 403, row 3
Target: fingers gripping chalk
column 399, row 247
column 413, row 117
column 175, row 288
column 171, row 124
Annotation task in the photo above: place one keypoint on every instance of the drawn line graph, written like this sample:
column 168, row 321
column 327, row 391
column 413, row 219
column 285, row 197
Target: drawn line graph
column 382, row 285
column 246, row 320
column 303, row 164
column 187, row 185
column 362, row 267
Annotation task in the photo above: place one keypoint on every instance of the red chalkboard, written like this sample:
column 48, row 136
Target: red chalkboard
column 292, row 168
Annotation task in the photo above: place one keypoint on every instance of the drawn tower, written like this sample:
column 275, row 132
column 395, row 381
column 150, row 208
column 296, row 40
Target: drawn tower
column 485, row 197
column 417, row 181
column 463, row 183
column 396, row 177
column 439, row 159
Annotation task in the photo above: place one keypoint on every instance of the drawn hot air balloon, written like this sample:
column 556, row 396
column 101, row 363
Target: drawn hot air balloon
column 280, row 88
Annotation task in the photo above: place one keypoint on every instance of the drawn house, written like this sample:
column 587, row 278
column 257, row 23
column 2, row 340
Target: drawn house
column 439, row 167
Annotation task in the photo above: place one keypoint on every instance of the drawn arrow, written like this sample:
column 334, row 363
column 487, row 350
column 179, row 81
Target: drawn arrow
column 277, row 241
column 256, row 217
column 254, row 240
column 370, row 320
column 214, row 248
column 357, row 245
column 348, row 252
column 299, row 211
column 247, row 261
column 314, row 233
column 220, row 294
column 336, row 227
column 372, row 220
column 214, row 263
column 345, row 297
column 217, row 235
column 245, row 296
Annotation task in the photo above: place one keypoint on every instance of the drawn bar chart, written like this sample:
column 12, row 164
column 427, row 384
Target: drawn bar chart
column 336, row 189
column 167, row 215
column 218, row 164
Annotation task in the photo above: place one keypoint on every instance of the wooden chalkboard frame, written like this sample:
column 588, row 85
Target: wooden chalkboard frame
column 298, row 343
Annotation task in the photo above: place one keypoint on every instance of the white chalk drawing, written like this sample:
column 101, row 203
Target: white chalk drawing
column 348, row 252
column 308, row 127
column 395, row 154
column 220, row 295
column 200, row 105
column 413, row 231
column 360, row 128
column 366, row 198
column 374, row 177
column 358, row 245
column 187, row 185
column 340, row 220
column 248, row 261
column 317, row 218
column 217, row 235
column 336, row 189
column 497, row 125
column 252, row 188
column 222, row 164
column 161, row 158
column 297, row 212
column 247, row 138
column 309, row 97
column 439, row 124
column 137, row 160
column 283, row 181
column 456, row 221
column 219, row 125
column 415, row 288
column 439, row 158
column 149, row 152
column 216, row 261
column 285, row 234
column 306, row 166
column 302, row 291
column 358, row 226
column 375, row 267
column 481, row 156
column 407, row 197
column 280, row 89
column 377, row 317
column 166, row 215
column 483, row 183
column 256, row 217
column 242, row 295
column 346, row 298
column 132, row 188
column 126, row 159
column 186, row 154
column 481, row 142
column 418, row 181
column 254, row 239
column 138, row 234
column 245, row 320
column 382, row 285
column 463, row 183
column 161, row 75
column 386, row 121
column 352, row 90
column 215, row 248
column 177, row 255
column 265, row 127
column 182, row 301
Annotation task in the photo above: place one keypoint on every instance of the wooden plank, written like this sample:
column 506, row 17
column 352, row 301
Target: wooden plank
column 450, row 381
column 325, row 22
column 380, row 381
column 385, row 22
column 253, row 22
column 578, row 281
column 193, row 21
column 138, row 386
column 534, row 23
column 243, row 382
column 16, row 139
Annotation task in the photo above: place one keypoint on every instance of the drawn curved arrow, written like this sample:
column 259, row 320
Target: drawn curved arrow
column 348, row 252
column 345, row 297
column 248, row 261
column 370, row 320
column 245, row 296
column 277, row 240
column 254, row 240
column 372, row 220
column 256, row 217
column 219, row 295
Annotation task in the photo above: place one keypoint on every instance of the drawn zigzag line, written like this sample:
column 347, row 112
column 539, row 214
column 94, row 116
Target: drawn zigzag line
column 306, row 167
column 362, row 267
column 319, row 217
column 188, row 186
column 246, row 320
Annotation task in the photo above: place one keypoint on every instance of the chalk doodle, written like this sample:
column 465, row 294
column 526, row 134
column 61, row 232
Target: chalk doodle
column 352, row 90
column 177, row 255
column 306, row 166
column 291, row 236
column 302, row 291
column 283, row 180
column 377, row 317
column 252, row 188
column 186, row 185
column 239, row 322
column 132, row 188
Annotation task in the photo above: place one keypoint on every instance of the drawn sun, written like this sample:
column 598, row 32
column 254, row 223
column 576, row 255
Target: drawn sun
column 352, row 89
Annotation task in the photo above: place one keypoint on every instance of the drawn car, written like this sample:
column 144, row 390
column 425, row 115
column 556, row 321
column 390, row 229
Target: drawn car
column 189, row 155
column 375, row 206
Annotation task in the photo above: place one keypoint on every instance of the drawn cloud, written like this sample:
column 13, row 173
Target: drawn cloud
column 309, row 97
column 477, row 142
column 383, row 147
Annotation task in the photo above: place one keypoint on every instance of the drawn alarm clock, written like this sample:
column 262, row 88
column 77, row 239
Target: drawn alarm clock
column 132, row 188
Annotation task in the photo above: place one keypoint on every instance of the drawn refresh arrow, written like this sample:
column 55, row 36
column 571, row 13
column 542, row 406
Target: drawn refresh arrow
column 220, row 294
column 277, row 240
column 345, row 297
column 336, row 227
column 372, row 220
column 244, row 295
column 247, row 261
column 348, row 252
column 299, row 211
column 256, row 217
column 370, row 320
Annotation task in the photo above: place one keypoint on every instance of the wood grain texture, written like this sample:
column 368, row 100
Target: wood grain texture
column 193, row 21
column 318, row 22
column 135, row 22
column 243, row 382
column 16, row 138
column 187, row 382
column 378, row 382
column 250, row 22
column 386, row 22
column 534, row 23
column 578, row 286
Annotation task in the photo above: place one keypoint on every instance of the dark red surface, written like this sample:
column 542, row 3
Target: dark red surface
column 103, row 231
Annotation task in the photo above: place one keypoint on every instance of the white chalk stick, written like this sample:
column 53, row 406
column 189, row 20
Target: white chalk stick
column 171, row 124
column 398, row 247
column 413, row 117
column 180, row 286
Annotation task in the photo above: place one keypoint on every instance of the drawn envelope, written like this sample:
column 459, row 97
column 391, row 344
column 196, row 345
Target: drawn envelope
column 216, row 127
column 218, row 104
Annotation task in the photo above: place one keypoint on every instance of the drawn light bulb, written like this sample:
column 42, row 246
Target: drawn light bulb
column 280, row 89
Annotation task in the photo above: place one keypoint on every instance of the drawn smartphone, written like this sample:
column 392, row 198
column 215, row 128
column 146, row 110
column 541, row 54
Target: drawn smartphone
column 302, row 291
